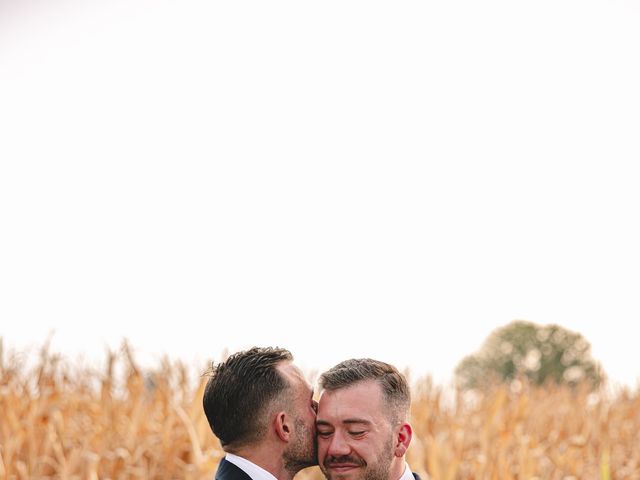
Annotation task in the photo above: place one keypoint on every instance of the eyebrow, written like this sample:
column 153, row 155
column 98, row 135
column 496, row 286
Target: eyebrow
column 348, row 421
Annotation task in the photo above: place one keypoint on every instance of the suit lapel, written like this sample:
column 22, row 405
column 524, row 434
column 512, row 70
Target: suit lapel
column 229, row 471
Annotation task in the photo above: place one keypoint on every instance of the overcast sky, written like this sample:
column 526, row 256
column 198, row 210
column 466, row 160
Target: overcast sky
column 383, row 179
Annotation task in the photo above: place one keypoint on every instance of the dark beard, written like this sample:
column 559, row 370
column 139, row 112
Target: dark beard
column 300, row 454
column 376, row 471
column 379, row 471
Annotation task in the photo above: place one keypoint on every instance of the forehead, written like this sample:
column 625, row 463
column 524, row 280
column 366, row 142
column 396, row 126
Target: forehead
column 361, row 400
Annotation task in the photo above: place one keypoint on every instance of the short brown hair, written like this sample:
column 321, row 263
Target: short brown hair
column 395, row 388
column 240, row 390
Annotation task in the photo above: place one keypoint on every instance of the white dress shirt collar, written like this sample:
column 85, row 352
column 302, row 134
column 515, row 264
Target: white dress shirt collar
column 250, row 468
column 408, row 474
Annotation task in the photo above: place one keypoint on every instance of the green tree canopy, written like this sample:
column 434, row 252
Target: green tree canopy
column 540, row 353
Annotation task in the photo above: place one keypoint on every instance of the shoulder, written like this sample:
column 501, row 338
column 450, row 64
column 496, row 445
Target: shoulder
column 228, row 471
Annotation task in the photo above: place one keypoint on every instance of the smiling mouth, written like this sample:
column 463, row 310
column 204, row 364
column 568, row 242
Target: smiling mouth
column 343, row 467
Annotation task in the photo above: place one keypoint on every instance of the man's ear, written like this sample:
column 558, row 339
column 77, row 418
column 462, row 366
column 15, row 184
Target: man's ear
column 282, row 426
column 403, row 439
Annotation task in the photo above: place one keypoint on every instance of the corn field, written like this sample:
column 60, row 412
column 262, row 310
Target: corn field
column 121, row 422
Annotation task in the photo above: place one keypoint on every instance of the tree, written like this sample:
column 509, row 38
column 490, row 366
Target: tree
column 540, row 353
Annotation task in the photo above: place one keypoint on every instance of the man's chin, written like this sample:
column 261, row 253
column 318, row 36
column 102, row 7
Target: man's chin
column 342, row 474
column 311, row 463
column 302, row 464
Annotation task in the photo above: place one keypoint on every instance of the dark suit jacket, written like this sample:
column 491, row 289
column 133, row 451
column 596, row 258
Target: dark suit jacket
column 228, row 471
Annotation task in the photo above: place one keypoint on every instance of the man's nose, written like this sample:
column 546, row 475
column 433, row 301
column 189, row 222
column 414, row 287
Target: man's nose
column 338, row 445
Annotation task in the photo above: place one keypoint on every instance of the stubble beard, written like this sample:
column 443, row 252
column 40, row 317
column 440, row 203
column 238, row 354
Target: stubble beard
column 379, row 470
column 303, row 451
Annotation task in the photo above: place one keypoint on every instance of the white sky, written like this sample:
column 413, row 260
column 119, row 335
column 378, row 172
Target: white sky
column 383, row 179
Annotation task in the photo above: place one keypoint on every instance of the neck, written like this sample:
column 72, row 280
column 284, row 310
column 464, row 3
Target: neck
column 397, row 468
column 266, row 458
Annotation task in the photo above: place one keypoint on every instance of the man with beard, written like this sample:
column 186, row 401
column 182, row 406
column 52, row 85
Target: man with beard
column 262, row 410
column 362, row 422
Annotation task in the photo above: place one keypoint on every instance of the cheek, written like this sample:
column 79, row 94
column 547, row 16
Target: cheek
column 323, row 444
